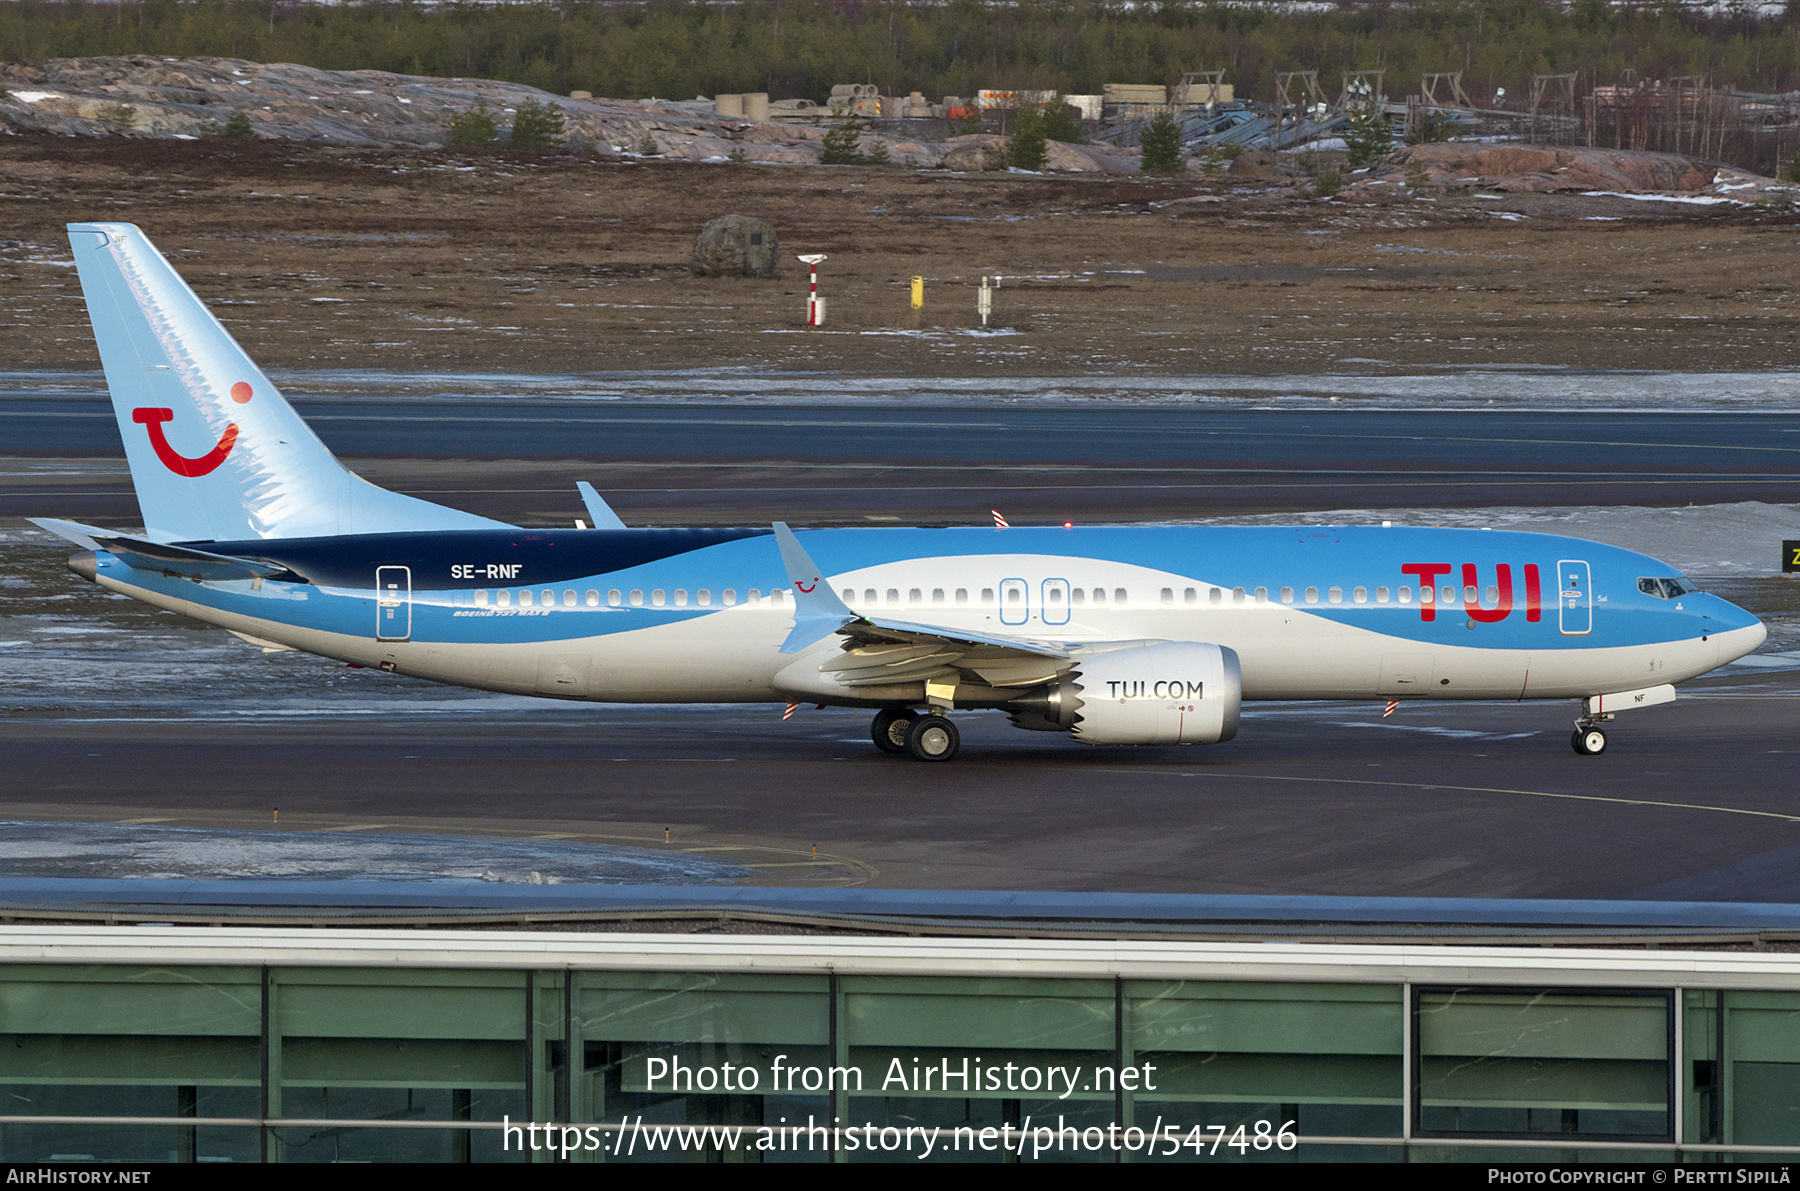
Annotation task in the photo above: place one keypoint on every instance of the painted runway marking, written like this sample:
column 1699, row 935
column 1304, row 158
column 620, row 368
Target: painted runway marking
column 1346, row 781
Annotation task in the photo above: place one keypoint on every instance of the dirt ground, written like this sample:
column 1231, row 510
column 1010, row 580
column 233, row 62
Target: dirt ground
column 407, row 260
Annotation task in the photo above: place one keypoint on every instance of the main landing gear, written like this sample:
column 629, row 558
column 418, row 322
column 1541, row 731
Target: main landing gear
column 923, row 737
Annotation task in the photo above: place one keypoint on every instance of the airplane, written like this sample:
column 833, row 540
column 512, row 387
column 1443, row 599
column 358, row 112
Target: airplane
column 1146, row 635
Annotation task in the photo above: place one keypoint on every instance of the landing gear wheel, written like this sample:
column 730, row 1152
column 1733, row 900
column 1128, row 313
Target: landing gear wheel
column 933, row 738
column 890, row 728
column 1589, row 742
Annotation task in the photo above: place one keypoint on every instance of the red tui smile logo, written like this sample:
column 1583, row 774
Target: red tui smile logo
column 175, row 461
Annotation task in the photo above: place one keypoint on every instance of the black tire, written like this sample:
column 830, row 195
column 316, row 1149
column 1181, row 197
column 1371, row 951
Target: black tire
column 933, row 738
column 891, row 727
column 1589, row 742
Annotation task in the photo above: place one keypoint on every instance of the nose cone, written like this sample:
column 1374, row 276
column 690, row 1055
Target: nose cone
column 1738, row 633
column 83, row 563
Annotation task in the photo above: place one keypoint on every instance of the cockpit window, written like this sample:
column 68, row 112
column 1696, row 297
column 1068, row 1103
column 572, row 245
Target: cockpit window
column 1666, row 589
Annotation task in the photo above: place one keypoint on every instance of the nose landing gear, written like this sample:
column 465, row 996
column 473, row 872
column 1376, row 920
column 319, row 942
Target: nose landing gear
column 1588, row 739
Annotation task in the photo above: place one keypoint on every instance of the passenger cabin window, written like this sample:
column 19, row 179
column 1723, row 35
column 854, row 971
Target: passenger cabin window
column 1426, row 594
column 592, row 599
column 1469, row 596
column 1077, row 595
column 1054, row 596
column 987, row 595
column 613, row 598
column 681, row 597
column 1014, row 595
column 849, row 595
column 1448, row 595
column 503, row 599
column 1099, row 595
column 1493, row 594
column 1405, row 595
column 1262, row 595
column 659, row 597
column 1237, row 595
column 568, row 599
column 1168, row 595
column 1381, row 595
column 753, row 596
column 869, row 596
column 703, row 597
column 1190, row 596
column 1287, row 595
column 915, row 596
column 1360, row 594
column 637, row 597
column 775, row 595
column 1215, row 595
column 1335, row 595
column 1312, row 595
column 480, row 598
column 524, row 599
column 962, row 595
column 730, row 597
column 893, row 596
column 1118, row 595
column 549, row 599
column 937, row 595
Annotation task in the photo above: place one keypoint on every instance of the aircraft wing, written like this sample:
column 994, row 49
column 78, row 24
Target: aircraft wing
column 878, row 651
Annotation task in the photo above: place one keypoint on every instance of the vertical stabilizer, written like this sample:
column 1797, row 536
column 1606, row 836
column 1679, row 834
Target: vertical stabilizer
column 216, row 453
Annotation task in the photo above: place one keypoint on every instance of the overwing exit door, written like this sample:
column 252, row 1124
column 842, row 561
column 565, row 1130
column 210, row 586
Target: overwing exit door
column 1575, row 598
column 393, row 603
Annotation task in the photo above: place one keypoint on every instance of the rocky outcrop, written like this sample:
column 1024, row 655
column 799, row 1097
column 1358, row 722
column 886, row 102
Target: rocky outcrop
column 737, row 246
column 141, row 96
column 1547, row 169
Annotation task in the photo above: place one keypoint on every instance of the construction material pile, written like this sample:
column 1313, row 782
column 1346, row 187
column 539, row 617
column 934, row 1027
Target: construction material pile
column 1547, row 169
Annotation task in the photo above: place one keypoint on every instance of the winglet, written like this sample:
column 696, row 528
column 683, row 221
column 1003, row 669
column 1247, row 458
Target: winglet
column 598, row 510
column 72, row 531
column 818, row 612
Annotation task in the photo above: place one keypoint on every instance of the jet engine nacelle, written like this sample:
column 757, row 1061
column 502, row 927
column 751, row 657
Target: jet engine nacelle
column 1173, row 692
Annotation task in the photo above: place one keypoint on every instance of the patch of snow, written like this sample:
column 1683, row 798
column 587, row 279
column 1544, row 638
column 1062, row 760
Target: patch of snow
column 1697, row 200
column 36, row 96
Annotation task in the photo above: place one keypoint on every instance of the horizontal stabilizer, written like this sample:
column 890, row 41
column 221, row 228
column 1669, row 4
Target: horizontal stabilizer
column 599, row 512
column 145, row 555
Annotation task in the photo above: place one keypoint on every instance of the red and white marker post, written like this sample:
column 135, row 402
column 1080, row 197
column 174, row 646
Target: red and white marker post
column 815, row 305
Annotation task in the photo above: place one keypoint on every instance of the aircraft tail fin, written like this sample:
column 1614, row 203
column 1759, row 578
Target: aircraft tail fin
column 216, row 452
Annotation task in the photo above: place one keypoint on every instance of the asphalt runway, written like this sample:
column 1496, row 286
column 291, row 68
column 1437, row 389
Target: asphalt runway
column 1694, row 801
column 1697, row 800
column 689, row 464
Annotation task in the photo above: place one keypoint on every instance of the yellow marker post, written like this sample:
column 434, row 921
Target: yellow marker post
column 918, row 293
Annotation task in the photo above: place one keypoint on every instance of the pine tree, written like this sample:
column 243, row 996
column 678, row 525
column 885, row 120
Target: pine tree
column 842, row 145
column 473, row 129
column 1028, row 148
column 1367, row 137
column 1061, row 123
column 1161, row 142
column 537, row 126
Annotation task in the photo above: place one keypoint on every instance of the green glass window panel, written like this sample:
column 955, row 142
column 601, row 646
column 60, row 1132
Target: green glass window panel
column 1284, row 1078
column 1765, row 1104
column 150, row 1060
column 374, row 1144
column 1543, row 1063
column 1306, row 1019
column 937, row 1013
column 1763, row 1027
column 129, row 1143
column 141, row 1001
column 1543, row 1026
column 408, row 1004
column 722, row 1007
column 400, row 1063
